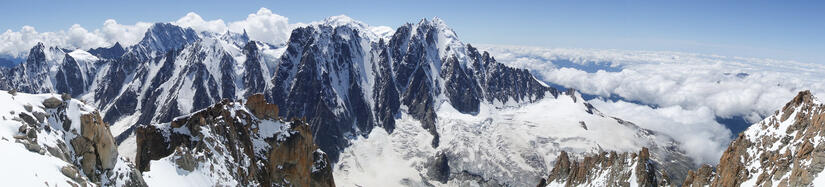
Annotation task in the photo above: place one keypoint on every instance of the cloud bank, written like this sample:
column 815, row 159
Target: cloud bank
column 262, row 25
column 17, row 43
column 689, row 90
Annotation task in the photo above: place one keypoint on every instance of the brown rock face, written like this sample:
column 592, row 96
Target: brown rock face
column 96, row 143
column 700, row 177
column 288, row 160
column 260, row 108
column 777, row 151
column 226, row 131
column 606, row 169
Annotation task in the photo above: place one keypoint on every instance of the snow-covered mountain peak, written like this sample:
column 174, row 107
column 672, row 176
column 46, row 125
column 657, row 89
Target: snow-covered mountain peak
column 373, row 33
column 446, row 39
column 162, row 37
column 83, row 55
column 341, row 20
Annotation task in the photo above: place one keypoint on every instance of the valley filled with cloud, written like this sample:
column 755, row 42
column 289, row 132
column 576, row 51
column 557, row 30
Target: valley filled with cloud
column 687, row 96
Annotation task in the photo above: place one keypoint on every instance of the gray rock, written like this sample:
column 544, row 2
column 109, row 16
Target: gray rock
column 439, row 168
column 185, row 160
column 66, row 97
column 40, row 116
column 31, row 146
column 52, row 102
column 29, row 120
column 31, row 134
column 28, row 107
column 71, row 172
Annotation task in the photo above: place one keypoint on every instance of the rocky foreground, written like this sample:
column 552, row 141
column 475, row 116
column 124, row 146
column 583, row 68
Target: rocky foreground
column 59, row 141
column 56, row 140
column 785, row 149
column 233, row 144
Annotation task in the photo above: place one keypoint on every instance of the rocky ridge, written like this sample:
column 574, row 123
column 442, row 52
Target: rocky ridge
column 69, row 132
column 237, row 144
column 607, row 169
column 785, row 149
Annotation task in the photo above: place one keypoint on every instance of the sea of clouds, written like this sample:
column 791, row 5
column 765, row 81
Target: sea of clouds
column 679, row 94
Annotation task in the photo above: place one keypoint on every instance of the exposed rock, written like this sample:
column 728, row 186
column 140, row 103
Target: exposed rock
column 28, row 119
column 31, row 146
column 95, row 144
column 52, row 102
column 260, row 108
column 226, row 131
column 185, row 160
column 92, row 158
column 65, row 97
column 700, row 177
column 71, row 172
column 607, row 169
column 295, row 162
column 439, row 168
column 778, row 151
column 28, row 107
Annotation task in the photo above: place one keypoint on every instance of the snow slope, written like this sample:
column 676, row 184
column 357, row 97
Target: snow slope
column 43, row 154
column 513, row 146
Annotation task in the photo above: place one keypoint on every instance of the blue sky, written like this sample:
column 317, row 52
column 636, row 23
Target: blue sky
column 781, row 30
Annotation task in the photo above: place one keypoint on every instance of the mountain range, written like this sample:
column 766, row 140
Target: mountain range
column 335, row 104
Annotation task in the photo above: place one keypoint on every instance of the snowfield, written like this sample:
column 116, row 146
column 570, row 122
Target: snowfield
column 513, row 146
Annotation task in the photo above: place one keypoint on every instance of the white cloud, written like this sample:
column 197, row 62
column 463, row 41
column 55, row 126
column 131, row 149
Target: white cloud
column 690, row 90
column 125, row 34
column 196, row 22
column 264, row 26
column 675, row 79
column 700, row 136
column 18, row 43
column 79, row 37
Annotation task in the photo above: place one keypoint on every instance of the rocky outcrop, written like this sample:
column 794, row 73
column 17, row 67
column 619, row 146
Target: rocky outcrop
column 607, row 169
column 298, row 161
column 242, row 143
column 95, row 145
column 85, row 144
column 700, row 177
column 785, row 149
